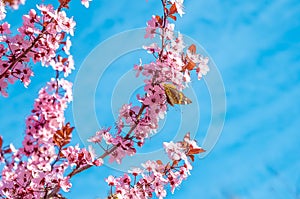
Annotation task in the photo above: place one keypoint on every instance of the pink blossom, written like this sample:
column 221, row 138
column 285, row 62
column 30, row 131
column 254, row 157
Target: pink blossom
column 3, row 86
column 111, row 181
column 135, row 171
column 124, row 147
column 186, row 77
column 47, row 10
column 66, row 48
column 65, row 184
column 97, row 138
column 152, row 48
column 202, row 68
column 128, row 113
column 45, row 49
column 174, row 180
column 5, row 28
column 42, row 162
column 98, row 162
column 2, row 10
column 151, row 28
column 174, row 150
column 64, row 23
column 138, row 68
column 85, row 3
column 153, row 99
column 117, row 155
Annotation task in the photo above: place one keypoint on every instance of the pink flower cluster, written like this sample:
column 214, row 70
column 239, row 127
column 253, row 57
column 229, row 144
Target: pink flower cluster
column 39, row 40
column 14, row 4
column 174, row 62
column 173, row 65
column 40, row 165
column 155, row 176
column 39, row 168
column 167, row 68
column 170, row 66
column 30, row 172
column 142, row 121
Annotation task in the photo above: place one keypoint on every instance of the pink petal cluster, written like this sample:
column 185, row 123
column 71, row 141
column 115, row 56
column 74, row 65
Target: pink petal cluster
column 154, row 177
column 2, row 10
column 77, row 157
column 201, row 62
column 40, row 39
column 86, row 3
column 38, row 169
column 31, row 171
column 141, row 122
column 14, row 4
column 151, row 28
column 40, row 165
column 172, row 65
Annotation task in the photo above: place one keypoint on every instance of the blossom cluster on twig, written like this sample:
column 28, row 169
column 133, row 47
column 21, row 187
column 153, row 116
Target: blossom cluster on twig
column 46, row 161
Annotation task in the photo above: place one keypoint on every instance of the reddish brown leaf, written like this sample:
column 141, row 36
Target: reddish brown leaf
column 61, row 155
column 173, row 17
column 159, row 162
column 10, row 2
column 192, row 157
column 64, row 60
column 196, row 151
column 175, row 162
column 173, row 9
column 159, row 20
column 190, row 65
column 62, row 35
column 64, row 3
column 45, row 23
column 192, row 49
column 63, row 136
column 7, row 150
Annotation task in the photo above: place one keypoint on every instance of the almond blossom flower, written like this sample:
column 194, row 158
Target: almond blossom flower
column 2, row 10
column 65, row 184
column 202, row 68
column 151, row 28
column 85, row 3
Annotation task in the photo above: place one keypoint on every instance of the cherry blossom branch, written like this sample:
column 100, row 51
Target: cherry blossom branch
column 162, row 58
column 155, row 175
column 36, row 44
column 34, row 169
column 108, row 152
column 45, row 156
column 115, row 147
column 26, row 51
column 17, row 59
column 162, row 28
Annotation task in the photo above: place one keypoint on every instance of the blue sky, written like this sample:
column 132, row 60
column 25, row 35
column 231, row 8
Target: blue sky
column 256, row 46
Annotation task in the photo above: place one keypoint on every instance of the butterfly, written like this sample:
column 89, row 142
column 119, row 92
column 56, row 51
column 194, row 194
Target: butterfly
column 175, row 96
